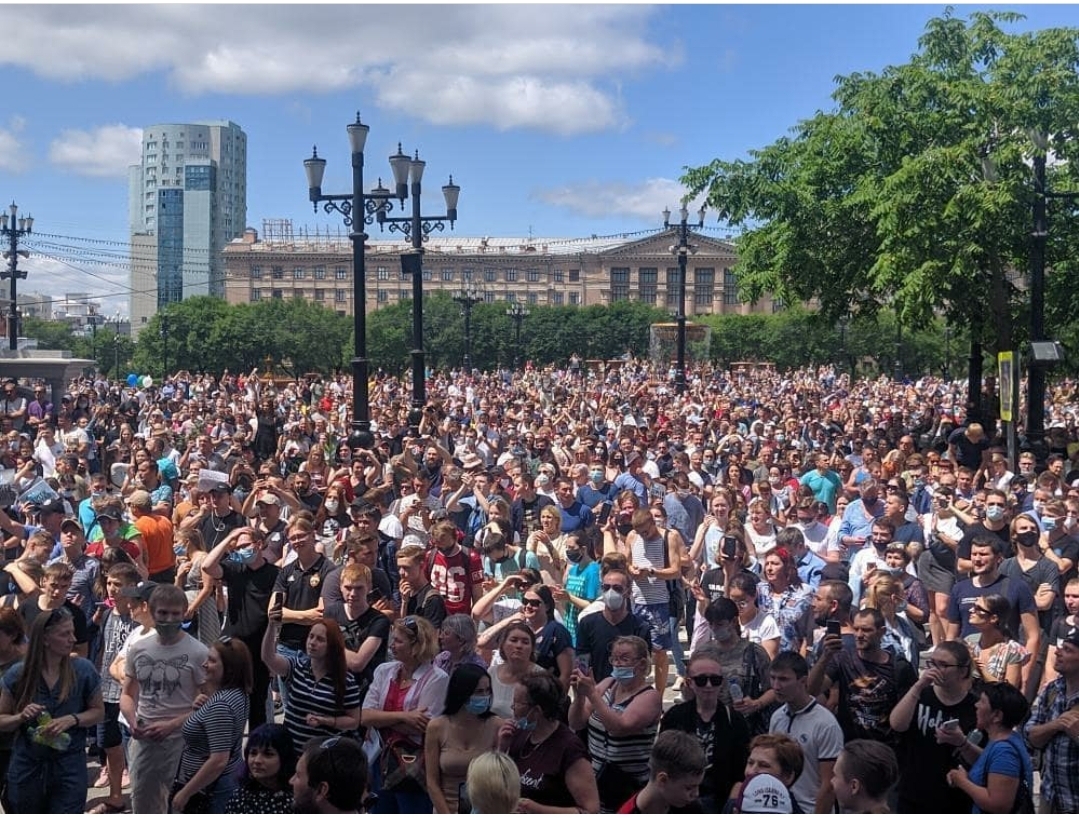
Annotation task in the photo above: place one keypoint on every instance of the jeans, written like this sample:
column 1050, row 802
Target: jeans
column 47, row 782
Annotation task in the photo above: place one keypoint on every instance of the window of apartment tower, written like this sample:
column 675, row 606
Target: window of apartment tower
column 340, row 273
column 382, row 272
column 447, row 274
column 574, row 276
column 556, row 298
column 278, row 272
column 256, row 272
column 511, row 274
column 674, row 275
column 574, row 299
column 278, row 294
column 256, row 294
column 558, row 276
column 619, row 284
column 299, row 273
column 340, row 296
column 320, row 295
column 490, row 275
column 320, row 273
column 532, row 276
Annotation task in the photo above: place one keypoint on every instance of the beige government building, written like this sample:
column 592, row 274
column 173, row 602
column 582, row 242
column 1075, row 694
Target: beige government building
column 532, row 271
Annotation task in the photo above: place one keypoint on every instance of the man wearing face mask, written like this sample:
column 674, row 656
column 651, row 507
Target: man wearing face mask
column 240, row 561
column 162, row 676
column 597, row 490
column 1061, row 545
column 994, row 525
column 595, row 633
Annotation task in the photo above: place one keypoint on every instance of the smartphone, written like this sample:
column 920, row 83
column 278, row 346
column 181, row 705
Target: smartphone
column 584, row 663
column 730, row 547
column 277, row 600
column 832, row 627
column 1049, row 523
column 949, row 724
column 604, row 513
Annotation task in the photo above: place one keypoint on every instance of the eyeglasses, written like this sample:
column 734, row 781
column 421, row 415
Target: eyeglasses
column 531, row 603
column 411, row 623
column 706, row 679
column 941, row 665
column 618, row 588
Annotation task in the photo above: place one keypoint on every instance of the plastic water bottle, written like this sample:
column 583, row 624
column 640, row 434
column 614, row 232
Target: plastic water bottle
column 975, row 737
column 61, row 741
column 736, row 691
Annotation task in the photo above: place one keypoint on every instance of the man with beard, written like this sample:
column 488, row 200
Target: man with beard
column 331, row 776
column 871, row 680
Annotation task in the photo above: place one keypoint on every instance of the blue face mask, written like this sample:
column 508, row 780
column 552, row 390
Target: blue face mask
column 525, row 725
column 622, row 674
column 478, row 705
column 244, row 556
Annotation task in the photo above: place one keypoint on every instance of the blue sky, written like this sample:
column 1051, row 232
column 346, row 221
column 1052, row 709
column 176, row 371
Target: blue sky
column 563, row 120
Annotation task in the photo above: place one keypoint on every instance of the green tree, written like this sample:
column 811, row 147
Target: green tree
column 915, row 191
column 48, row 334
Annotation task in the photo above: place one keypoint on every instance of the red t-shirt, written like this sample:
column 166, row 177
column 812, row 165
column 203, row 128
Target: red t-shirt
column 454, row 577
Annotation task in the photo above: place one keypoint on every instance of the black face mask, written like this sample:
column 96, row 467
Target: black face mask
column 1027, row 538
column 624, row 528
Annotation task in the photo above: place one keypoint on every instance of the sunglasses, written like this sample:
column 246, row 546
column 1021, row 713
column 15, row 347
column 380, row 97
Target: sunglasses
column 531, row 603
column 707, row 679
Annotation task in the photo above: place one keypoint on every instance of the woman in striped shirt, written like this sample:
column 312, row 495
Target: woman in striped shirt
column 323, row 697
column 622, row 715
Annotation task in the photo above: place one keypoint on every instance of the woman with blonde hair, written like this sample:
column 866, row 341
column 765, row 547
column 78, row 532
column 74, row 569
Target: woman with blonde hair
column 493, row 784
column 199, row 588
column 886, row 595
column 404, row 696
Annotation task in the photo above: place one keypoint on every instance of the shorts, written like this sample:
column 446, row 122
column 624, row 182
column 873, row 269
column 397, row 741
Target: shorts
column 110, row 728
column 658, row 619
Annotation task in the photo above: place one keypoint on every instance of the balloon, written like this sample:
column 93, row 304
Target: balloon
column 147, row 381
column 132, row 379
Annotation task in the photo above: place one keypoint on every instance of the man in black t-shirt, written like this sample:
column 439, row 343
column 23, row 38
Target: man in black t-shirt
column 418, row 596
column 596, row 631
column 366, row 630
column 220, row 518
column 240, row 562
column 871, row 680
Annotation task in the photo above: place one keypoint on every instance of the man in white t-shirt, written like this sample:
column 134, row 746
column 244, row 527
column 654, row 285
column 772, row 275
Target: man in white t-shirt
column 162, row 677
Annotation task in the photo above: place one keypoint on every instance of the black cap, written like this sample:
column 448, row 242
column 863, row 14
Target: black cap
column 141, row 591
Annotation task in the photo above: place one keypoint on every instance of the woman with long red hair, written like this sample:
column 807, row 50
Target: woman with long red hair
column 323, row 698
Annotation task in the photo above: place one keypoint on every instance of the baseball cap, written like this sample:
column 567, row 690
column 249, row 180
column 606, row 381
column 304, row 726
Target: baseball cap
column 53, row 506
column 71, row 522
column 764, row 794
column 1071, row 636
column 267, row 498
column 141, row 591
column 220, row 486
column 139, row 499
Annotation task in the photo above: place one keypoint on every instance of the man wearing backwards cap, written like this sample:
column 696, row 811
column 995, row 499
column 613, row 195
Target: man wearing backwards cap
column 1053, row 727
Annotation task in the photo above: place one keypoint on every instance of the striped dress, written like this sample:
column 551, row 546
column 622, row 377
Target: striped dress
column 307, row 696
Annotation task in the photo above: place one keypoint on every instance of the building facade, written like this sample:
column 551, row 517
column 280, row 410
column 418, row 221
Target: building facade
column 187, row 199
column 534, row 271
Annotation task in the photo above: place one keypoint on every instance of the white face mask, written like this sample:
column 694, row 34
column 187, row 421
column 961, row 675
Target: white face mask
column 613, row 600
column 332, row 506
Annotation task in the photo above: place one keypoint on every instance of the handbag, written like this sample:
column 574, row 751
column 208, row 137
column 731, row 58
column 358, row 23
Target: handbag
column 402, row 763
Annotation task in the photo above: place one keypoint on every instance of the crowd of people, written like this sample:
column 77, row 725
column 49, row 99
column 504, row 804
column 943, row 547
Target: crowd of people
column 853, row 599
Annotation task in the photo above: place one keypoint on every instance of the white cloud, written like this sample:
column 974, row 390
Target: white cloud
column 13, row 154
column 644, row 200
column 552, row 68
column 102, row 152
column 54, row 278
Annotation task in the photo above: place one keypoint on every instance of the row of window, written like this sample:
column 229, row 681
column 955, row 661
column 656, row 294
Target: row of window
column 704, row 285
column 341, row 296
column 384, row 273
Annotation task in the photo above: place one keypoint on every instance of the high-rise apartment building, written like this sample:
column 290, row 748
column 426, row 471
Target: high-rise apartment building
column 187, row 200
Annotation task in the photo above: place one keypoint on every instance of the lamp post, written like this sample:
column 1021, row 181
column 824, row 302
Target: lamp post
column 357, row 209
column 116, row 344
column 1038, row 240
column 681, row 251
column 517, row 313
column 467, row 296
column 946, row 369
column 843, row 342
column 92, row 317
column 14, row 227
column 417, row 227
column 897, row 374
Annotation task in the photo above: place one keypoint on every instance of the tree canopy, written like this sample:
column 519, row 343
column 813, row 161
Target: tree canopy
column 915, row 191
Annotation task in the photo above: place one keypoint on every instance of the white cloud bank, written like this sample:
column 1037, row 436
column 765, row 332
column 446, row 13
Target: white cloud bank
column 644, row 200
column 103, row 152
column 553, row 68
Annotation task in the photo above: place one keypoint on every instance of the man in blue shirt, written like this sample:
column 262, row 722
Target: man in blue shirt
column 809, row 565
